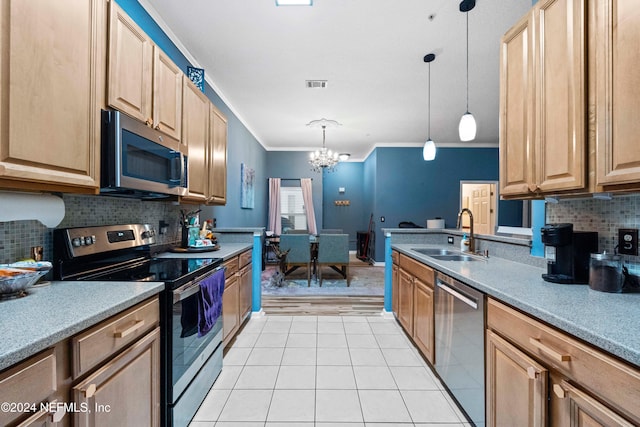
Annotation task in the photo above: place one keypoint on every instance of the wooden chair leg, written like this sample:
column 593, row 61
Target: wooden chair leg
column 347, row 274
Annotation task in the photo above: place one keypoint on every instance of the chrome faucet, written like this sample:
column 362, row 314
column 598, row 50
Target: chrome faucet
column 472, row 239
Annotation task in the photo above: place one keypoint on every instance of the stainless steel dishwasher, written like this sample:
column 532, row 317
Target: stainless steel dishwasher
column 459, row 323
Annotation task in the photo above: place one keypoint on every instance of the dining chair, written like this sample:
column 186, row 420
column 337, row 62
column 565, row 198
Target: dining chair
column 333, row 252
column 299, row 254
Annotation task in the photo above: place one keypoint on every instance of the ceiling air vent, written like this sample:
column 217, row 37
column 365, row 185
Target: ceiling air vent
column 316, row 84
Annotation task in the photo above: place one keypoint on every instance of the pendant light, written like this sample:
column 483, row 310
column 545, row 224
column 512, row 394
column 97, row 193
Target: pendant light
column 429, row 149
column 467, row 126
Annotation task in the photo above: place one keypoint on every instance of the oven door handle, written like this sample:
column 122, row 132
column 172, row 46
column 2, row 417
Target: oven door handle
column 459, row 295
column 192, row 287
column 185, row 291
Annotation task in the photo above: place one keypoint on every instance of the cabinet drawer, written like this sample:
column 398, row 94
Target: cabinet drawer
column 394, row 257
column 417, row 269
column 245, row 258
column 31, row 381
column 615, row 382
column 105, row 339
column 231, row 266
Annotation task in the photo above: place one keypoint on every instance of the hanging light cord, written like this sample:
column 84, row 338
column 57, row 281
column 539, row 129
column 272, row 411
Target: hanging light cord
column 467, row 13
column 429, row 102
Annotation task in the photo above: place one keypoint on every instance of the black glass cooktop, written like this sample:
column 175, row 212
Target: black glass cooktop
column 169, row 270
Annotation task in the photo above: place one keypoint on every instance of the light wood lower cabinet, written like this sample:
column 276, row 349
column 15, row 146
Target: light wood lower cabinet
column 415, row 303
column 107, row 375
column 124, row 391
column 395, row 277
column 516, row 387
column 246, row 284
column 529, row 363
column 52, row 77
column 405, row 301
column 236, row 299
column 423, row 326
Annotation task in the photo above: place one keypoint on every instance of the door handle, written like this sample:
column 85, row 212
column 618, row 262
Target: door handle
column 137, row 325
column 465, row 299
column 90, row 391
column 555, row 355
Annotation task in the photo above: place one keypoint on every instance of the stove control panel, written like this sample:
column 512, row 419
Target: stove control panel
column 93, row 240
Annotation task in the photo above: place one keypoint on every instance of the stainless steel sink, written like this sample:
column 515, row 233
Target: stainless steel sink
column 432, row 252
column 454, row 257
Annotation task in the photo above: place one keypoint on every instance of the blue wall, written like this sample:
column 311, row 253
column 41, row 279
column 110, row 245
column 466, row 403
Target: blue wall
column 242, row 147
column 352, row 218
column 410, row 189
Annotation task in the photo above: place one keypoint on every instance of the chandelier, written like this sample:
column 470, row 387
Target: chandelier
column 323, row 158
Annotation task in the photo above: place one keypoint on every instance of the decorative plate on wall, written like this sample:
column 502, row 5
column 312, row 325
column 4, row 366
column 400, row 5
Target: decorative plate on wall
column 196, row 75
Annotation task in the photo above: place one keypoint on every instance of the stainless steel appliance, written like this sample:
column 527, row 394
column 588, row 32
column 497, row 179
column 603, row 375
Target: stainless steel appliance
column 567, row 253
column 459, row 323
column 189, row 364
column 139, row 161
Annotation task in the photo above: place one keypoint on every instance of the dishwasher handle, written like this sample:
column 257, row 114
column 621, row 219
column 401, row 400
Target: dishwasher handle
column 470, row 301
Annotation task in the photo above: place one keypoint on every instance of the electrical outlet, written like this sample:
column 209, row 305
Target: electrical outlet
column 450, row 240
column 382, row 219
column 628, row 241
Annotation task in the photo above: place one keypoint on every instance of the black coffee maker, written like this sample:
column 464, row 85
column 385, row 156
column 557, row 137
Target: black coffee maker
column 568, row 253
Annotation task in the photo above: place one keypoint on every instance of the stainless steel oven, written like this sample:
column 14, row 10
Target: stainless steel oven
column 459, row 323
column 191, row 360
column 187, row 383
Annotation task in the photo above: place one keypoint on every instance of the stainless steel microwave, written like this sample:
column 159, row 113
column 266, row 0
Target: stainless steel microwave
column 139, row 161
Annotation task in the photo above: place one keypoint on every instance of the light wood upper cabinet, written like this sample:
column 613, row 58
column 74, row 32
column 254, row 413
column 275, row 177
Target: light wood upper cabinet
column 167, row 94
column 143, row 81
column 52, row 78
column 130, row 87
column 543, row 101
column 615, row 83
column 195, row 140
column 560, row 94
column 218, row 157
column 516, row 110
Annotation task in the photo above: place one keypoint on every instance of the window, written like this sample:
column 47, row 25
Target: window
column 293, row 214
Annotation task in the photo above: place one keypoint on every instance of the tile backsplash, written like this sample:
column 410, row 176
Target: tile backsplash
column 17, row 237
column 603, row 216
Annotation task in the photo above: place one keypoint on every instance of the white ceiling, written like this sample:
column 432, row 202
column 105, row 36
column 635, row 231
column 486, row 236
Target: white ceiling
column 257, row 56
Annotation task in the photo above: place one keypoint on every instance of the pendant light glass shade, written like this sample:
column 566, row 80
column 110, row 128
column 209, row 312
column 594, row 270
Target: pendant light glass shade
column 429, row 150
column 467, row 127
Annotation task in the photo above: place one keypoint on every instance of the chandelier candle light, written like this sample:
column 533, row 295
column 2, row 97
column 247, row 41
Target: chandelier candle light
column 467, row 127
column 323, row 158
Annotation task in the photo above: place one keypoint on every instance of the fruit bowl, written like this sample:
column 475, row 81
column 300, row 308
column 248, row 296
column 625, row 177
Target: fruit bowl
column 16, row 278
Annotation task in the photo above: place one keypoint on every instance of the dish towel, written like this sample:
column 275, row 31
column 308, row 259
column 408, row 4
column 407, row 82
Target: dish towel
column 210, row 301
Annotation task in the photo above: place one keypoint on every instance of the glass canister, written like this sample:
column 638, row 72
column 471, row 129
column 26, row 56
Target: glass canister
column 605, row 273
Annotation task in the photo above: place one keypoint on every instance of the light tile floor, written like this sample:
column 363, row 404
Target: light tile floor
column 326, row 371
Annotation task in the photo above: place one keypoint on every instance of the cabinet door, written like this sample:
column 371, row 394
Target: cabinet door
column 617, row 90
column 560, row 94
column 218, row 158
column 516, row 386
column 405, row 301
column 167, row 95
column 124, row 391
column 246, row 291
column 195, row 139
column 395, row 277
column 423, row 330
column 230, row 309
column 52, row 59
column 130, row 66
column 516, row 111
column 571, row 406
